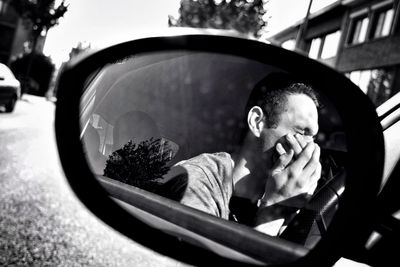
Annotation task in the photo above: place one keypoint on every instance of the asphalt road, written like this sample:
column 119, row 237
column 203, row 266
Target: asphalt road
column 42, row 223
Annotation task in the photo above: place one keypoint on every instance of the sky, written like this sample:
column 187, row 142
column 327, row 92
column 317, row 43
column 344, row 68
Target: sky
column 104, row 22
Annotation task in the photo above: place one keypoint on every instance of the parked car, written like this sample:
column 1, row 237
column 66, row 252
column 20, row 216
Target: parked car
column 187, row 92
column 10, row 88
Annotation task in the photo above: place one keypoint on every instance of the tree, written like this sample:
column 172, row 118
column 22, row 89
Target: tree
column 38, row 16
column 140, row 165
column 244, row 16
column 41, row 72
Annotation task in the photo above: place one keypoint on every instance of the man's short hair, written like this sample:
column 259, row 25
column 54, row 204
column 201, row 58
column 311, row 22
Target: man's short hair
column 271, row 93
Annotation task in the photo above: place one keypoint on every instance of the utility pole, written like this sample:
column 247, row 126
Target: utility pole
column 302, row 30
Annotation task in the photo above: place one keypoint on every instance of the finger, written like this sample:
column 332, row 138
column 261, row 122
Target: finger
column 317, row 173
column 312, row 188
column 311, row 173
column 284, row 160
column 304, row 158
column 315, row 178
column 313, row 164
column 294, row 144
column 279, row 148
column 301, row 140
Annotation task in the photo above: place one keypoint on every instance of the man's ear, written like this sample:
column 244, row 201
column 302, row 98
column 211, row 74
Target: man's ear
column 255, row 120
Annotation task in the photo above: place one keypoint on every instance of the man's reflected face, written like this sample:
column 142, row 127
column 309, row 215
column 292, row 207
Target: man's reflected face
column 300, row 116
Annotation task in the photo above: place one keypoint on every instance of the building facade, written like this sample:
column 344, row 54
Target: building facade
column 359, row 38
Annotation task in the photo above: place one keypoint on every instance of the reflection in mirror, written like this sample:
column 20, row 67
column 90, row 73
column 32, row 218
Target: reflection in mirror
column 179, row 124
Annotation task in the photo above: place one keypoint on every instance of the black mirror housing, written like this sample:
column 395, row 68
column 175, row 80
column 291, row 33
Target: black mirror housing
column 364, row 144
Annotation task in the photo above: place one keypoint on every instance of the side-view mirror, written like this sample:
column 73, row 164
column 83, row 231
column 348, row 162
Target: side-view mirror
column 150, row 133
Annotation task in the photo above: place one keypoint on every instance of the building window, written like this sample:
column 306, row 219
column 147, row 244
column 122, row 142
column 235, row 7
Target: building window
column 371, row 23
column 383, row 23
column 358, row 32
column 325, row 46
column 331, row 44
column 361, row 78
column 376, row 83
column 314, row 48
column 289, row 44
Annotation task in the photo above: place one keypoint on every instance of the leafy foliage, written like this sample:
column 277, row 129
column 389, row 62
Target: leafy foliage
column 40, row 74
column 39, row 14
column 244, row 16
column 140, row 164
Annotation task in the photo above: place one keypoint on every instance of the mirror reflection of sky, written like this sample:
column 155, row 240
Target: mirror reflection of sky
column 103, row 22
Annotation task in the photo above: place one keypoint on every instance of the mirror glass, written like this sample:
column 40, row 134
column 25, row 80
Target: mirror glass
column 175, row 124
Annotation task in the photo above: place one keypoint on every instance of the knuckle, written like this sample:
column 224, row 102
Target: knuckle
column 300, row 183
column 283, row 158
column 308, row 153
column 284, row 191
column 314, row 164
column 293, row 173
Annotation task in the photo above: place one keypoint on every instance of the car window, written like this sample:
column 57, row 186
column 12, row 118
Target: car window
column 389, row 113
column 388, row 107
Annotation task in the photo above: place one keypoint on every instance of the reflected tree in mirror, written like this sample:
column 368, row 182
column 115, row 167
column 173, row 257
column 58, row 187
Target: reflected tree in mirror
column 140, row 164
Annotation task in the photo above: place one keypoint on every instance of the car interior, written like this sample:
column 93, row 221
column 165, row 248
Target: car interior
column 184, row 113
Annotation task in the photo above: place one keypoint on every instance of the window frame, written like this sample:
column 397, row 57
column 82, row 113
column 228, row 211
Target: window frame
column 372, row 13
column 321, row 45
column 359, row 17
column 375, row 20
column 339, row 32
column 318, row 50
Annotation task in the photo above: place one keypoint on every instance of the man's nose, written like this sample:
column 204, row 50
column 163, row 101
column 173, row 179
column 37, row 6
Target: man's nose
column 304, row 139
column 308, row 138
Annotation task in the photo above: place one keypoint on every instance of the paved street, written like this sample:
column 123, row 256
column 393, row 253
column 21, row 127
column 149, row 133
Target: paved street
column 42, row 223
